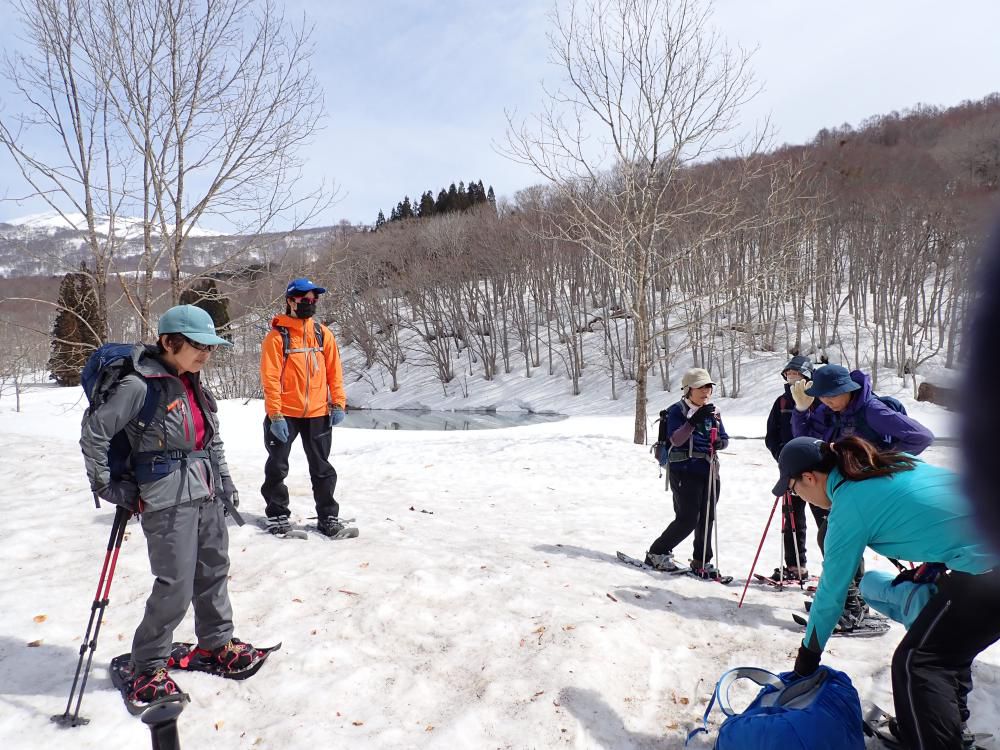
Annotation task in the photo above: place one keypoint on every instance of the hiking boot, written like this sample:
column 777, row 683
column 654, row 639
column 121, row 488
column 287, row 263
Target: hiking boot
column 855, row 611
column 790, row 573
column 329, row 525
column 663, row 563
column 232, row 656
column 152, row 685
column 278, row 525
column 709, row 572
column 968, row 738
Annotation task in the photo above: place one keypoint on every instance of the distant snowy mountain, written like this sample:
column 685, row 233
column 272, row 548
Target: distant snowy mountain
column 49, row 244
column 125, row 226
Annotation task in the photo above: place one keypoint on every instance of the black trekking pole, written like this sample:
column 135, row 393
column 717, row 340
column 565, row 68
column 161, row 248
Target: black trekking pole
column 795, row 537
column 97, row 608
column 710, row 500
column 162, row 723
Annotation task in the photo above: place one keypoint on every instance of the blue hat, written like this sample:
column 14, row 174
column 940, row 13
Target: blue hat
column 301, row 286
column 192, row 322
column 799, row 454
column 831, row 380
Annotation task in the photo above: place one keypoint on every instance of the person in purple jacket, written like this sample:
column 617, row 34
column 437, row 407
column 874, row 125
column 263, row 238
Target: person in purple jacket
column 838, row 403
column 847, row 407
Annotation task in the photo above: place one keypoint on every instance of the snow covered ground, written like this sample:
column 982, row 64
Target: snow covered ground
column 481, row 607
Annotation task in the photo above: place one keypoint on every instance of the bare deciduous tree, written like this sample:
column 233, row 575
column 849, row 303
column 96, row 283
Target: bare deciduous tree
column 176, row 111
column 649, row 90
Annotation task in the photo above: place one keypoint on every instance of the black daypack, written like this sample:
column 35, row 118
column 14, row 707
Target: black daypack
column 661, row 448
column 101, row 374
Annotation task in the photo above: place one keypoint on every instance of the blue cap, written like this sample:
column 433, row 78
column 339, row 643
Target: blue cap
column 301, row 286
column 799, row 454
column 831, row 380
column 192, row 322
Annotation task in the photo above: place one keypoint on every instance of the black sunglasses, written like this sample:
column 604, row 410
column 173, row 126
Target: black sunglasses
column 201, row 347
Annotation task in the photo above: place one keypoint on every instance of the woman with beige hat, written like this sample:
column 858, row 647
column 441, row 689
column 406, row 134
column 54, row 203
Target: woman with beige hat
column 695, row 434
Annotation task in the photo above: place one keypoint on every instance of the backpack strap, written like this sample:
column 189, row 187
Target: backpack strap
column 721, row 693
column 286, row 340
column 150, row 404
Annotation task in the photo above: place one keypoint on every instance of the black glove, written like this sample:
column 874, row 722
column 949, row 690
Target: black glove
column 703, row 413
column 229, row 493
column 807, row 662
column 121, row 492
column 925, row 573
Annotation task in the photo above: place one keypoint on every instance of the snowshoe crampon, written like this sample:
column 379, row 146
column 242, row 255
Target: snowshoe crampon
column 188, row 657
column 869, row 627
column 122, row 674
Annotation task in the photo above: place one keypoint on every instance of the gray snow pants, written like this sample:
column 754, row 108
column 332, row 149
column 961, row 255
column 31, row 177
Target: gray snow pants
column 188, row 548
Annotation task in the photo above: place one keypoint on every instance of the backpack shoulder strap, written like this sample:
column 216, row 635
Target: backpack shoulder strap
column 149, row 404
column 286, row 341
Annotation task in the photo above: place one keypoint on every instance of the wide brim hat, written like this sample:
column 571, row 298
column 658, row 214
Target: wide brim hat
column 193, row 323
column 696, row 378
column 831, row 380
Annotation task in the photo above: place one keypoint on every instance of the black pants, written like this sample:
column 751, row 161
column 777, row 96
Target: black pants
column 316, row 440
column 932, row 666
column 690, row 493
column 793, row 528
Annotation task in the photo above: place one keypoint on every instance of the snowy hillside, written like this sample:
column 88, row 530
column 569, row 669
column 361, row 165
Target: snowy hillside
column 125, row 226
column 481, row 607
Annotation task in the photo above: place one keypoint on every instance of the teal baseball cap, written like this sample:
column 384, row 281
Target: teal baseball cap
column 192, row 322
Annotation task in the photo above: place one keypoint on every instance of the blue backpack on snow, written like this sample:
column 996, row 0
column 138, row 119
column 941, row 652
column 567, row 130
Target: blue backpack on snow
column 100, row 376
column 819, row 712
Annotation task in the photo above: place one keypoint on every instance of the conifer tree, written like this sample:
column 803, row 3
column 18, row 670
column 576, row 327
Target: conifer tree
column 463, row 197
column 492, row 198
column 380, row 221
column 406, row 208
column 426, row 207
column 74, row 333
column 441, row 205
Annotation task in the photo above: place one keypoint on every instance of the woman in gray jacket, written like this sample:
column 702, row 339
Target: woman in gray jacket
column 181, row 489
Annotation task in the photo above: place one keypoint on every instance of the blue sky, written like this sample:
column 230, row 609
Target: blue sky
column 416, row 92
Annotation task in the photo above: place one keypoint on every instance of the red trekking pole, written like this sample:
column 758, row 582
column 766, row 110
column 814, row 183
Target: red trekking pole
column 96, row 614
column 759, row 548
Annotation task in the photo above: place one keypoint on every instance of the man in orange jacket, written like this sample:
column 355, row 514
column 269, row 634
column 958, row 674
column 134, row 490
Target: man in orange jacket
column 303, row 395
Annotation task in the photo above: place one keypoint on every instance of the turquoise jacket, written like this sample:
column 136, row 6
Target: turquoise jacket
column 918, row 515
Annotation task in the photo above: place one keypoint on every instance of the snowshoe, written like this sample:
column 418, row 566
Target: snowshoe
column 709, row 573
column 235, row 660
column 882, row 725
column 334, row 528
column 798, row 575
column 648, row 564
column 869, row 626
column 143, row 692
column 281, row 528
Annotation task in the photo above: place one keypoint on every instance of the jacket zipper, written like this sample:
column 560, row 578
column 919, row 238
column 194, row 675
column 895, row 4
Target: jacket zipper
column 305, row 345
